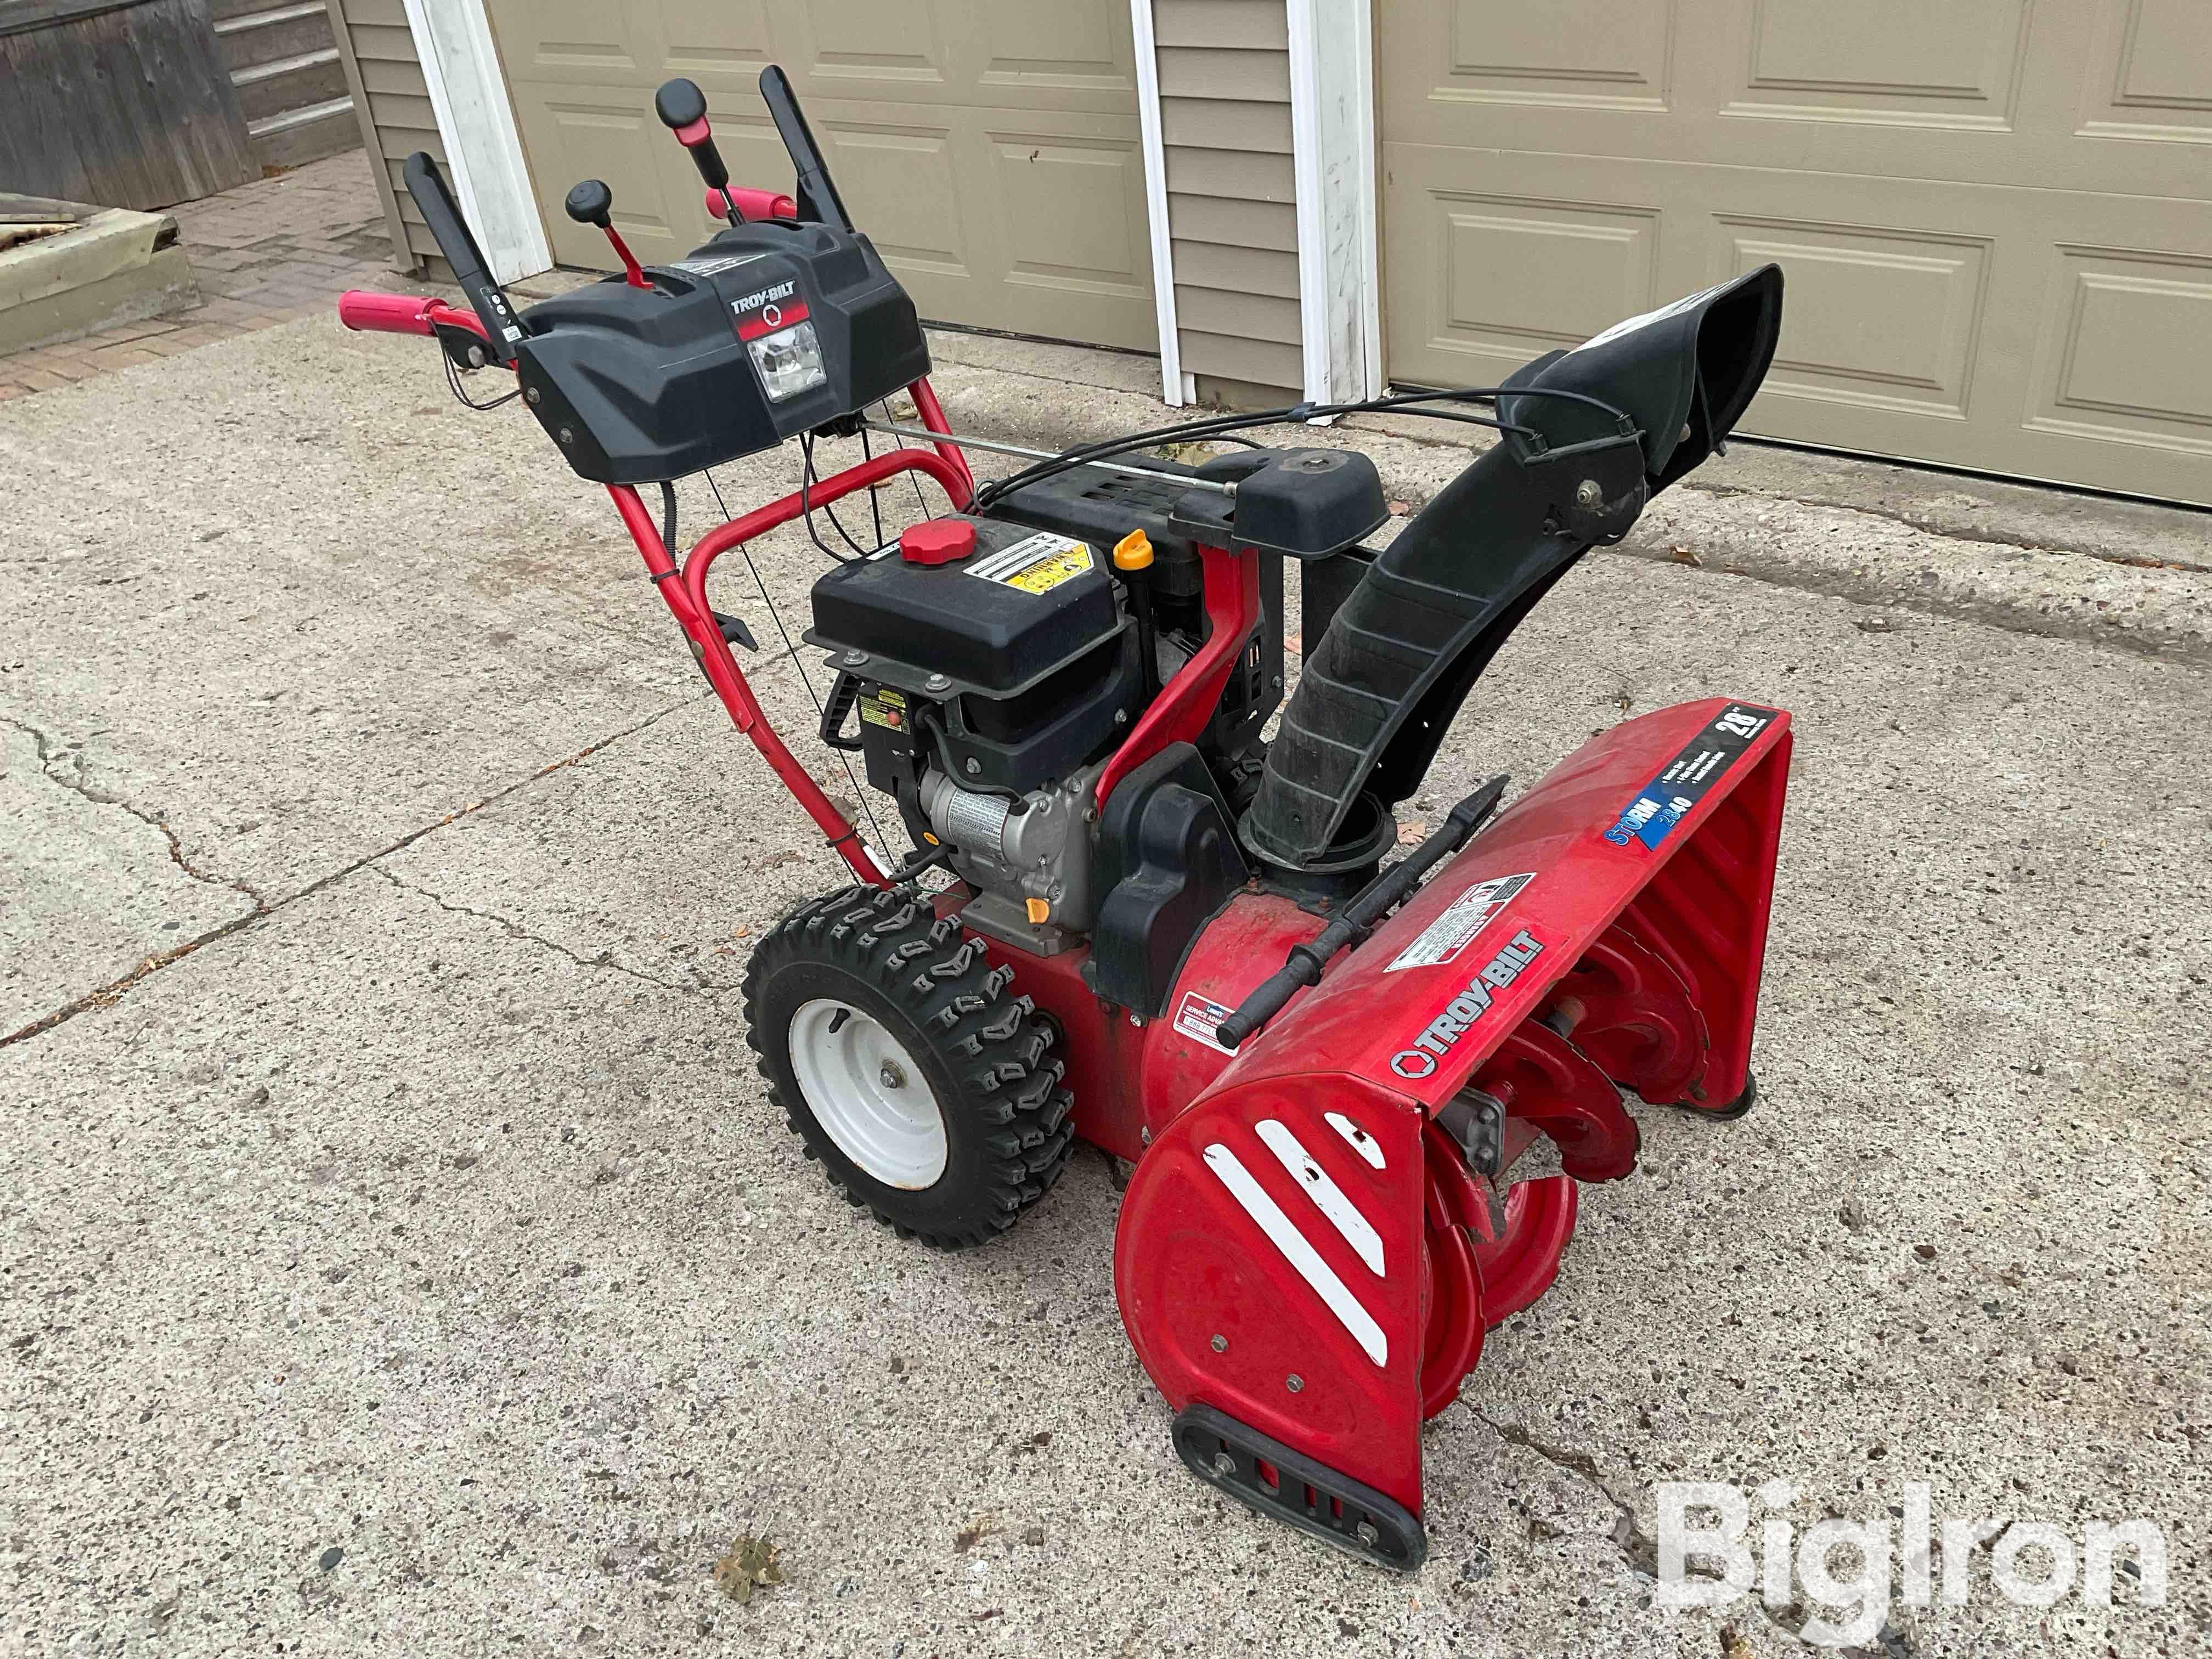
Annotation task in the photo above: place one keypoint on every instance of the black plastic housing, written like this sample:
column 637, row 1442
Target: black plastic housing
column 639, row 385
column 1302, row 504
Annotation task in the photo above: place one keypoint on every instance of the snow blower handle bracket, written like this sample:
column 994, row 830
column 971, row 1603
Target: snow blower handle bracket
column 1309, row 960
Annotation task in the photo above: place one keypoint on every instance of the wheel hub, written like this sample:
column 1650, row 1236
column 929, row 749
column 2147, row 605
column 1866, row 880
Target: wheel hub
column 865, row 1090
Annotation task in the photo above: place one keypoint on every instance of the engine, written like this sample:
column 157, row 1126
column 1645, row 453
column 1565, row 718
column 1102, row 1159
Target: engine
column 987, row 666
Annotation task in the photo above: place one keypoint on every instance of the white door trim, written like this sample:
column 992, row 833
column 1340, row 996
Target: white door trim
column 483, row 147
column 1175, row 385
column 1333, row 142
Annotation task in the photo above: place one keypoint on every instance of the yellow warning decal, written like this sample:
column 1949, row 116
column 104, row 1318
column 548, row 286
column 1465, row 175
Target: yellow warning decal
column 1035, row 564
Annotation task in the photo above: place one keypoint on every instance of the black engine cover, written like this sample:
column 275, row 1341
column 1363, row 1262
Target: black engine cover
column 1014, row 662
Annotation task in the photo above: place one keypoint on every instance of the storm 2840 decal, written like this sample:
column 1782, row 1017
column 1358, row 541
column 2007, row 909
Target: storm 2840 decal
column 1662, row 803
column 1460, row 1015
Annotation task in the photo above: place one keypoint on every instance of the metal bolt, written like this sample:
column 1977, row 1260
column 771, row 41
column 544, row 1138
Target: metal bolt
column 1590, row 493
column 1367, row 1533
column 937, row 682
column 891, row 1077
column 971, row 766
column 533, row 397
column 1220, row 1344
column 1294, row 1383
column 1224, row 1465
column 1144, row 1137
column 1120, row 717
column 854, row 658
column 1137, row 1020
column 568, row 434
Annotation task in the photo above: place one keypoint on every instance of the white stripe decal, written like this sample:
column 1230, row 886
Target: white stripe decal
column 1362, row 1142
column 1298, row 1253
column 1328, row 1198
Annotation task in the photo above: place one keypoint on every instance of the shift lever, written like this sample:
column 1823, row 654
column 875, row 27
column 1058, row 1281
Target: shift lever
column 682, row 108
column 591, row 202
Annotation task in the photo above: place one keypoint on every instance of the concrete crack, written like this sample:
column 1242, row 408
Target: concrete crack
column 1640, row 1549
column 49, row 752
column 513, row 929
column 109, row 994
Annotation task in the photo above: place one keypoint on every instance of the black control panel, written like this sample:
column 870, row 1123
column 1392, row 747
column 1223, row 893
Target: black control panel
column 766, row 331
column 775, row 327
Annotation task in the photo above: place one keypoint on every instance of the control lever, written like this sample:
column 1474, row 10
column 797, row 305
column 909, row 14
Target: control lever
column 817, row 198
column 591, row 202
column 682, row 108
column 442, row 214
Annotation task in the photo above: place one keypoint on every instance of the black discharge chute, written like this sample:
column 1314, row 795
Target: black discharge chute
column 1656, row 395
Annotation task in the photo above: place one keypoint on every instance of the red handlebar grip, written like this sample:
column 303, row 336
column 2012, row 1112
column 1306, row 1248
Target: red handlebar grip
column 754, row 204
column 385, row 313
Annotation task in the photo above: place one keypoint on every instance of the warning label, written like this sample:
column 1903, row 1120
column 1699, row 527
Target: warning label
column 1466, row 916
column 1200, row 1017
column 1035, row 564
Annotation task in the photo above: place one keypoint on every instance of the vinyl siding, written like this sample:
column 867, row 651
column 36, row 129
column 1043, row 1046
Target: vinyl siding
column 1225, row 74
column 393, row 103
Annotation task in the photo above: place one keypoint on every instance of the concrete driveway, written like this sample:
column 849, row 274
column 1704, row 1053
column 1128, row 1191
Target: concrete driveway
column 400, row 1252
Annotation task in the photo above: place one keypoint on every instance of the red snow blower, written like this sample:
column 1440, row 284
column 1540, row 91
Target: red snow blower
column 1129, row 916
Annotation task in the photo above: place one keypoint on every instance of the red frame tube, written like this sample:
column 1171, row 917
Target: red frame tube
column 1180, row 713
column 685, row 590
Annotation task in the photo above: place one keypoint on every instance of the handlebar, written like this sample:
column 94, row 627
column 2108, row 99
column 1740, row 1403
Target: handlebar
column 403, row 313
column 752, row 204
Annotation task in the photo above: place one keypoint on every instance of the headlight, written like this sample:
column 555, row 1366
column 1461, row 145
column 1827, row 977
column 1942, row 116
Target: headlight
column 789, row 361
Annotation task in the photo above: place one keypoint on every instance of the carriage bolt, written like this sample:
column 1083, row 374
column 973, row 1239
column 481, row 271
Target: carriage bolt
column 1294, row 1383
column 1220, row 1343
column 533, row 396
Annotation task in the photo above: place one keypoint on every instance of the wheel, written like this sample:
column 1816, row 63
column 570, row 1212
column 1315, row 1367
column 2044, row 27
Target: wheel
column 928, row 1093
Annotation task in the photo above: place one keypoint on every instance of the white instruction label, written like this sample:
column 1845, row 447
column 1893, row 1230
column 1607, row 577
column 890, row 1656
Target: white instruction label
column 1463, row 918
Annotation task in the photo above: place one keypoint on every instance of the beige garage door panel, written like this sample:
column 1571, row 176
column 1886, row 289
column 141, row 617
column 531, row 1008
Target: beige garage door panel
column 991, row 151
column 1995, row 257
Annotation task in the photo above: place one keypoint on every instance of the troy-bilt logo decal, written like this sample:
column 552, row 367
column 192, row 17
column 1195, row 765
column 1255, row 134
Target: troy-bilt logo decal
column 1666, row 799
column 768, row 309
column 1463, row 1010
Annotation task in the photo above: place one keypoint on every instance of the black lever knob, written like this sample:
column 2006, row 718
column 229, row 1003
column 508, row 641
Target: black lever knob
column 682, row 108
column 591, row 203
column 679, row 103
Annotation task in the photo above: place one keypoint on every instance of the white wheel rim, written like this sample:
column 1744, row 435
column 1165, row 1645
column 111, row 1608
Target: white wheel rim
column 868, row 1095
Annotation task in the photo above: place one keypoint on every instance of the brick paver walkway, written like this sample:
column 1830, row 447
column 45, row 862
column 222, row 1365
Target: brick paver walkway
column 264, row 253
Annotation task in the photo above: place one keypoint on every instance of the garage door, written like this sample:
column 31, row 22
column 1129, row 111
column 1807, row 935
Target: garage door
column 1995, row 215
column 989, row 148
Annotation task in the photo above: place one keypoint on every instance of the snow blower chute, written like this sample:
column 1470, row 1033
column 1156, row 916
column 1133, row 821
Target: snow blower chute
column 1128, row 917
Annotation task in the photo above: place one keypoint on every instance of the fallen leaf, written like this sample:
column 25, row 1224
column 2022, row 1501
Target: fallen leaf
column 1684, row 555
column 1400, row 509
column 1733, row 1646
column 749, row 1566
column 1412, row 835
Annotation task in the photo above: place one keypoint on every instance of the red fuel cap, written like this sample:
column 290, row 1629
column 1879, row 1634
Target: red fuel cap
column 937, row 541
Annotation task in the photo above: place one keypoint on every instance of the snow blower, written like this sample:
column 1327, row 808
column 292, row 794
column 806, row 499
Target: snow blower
column 1127, row 916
